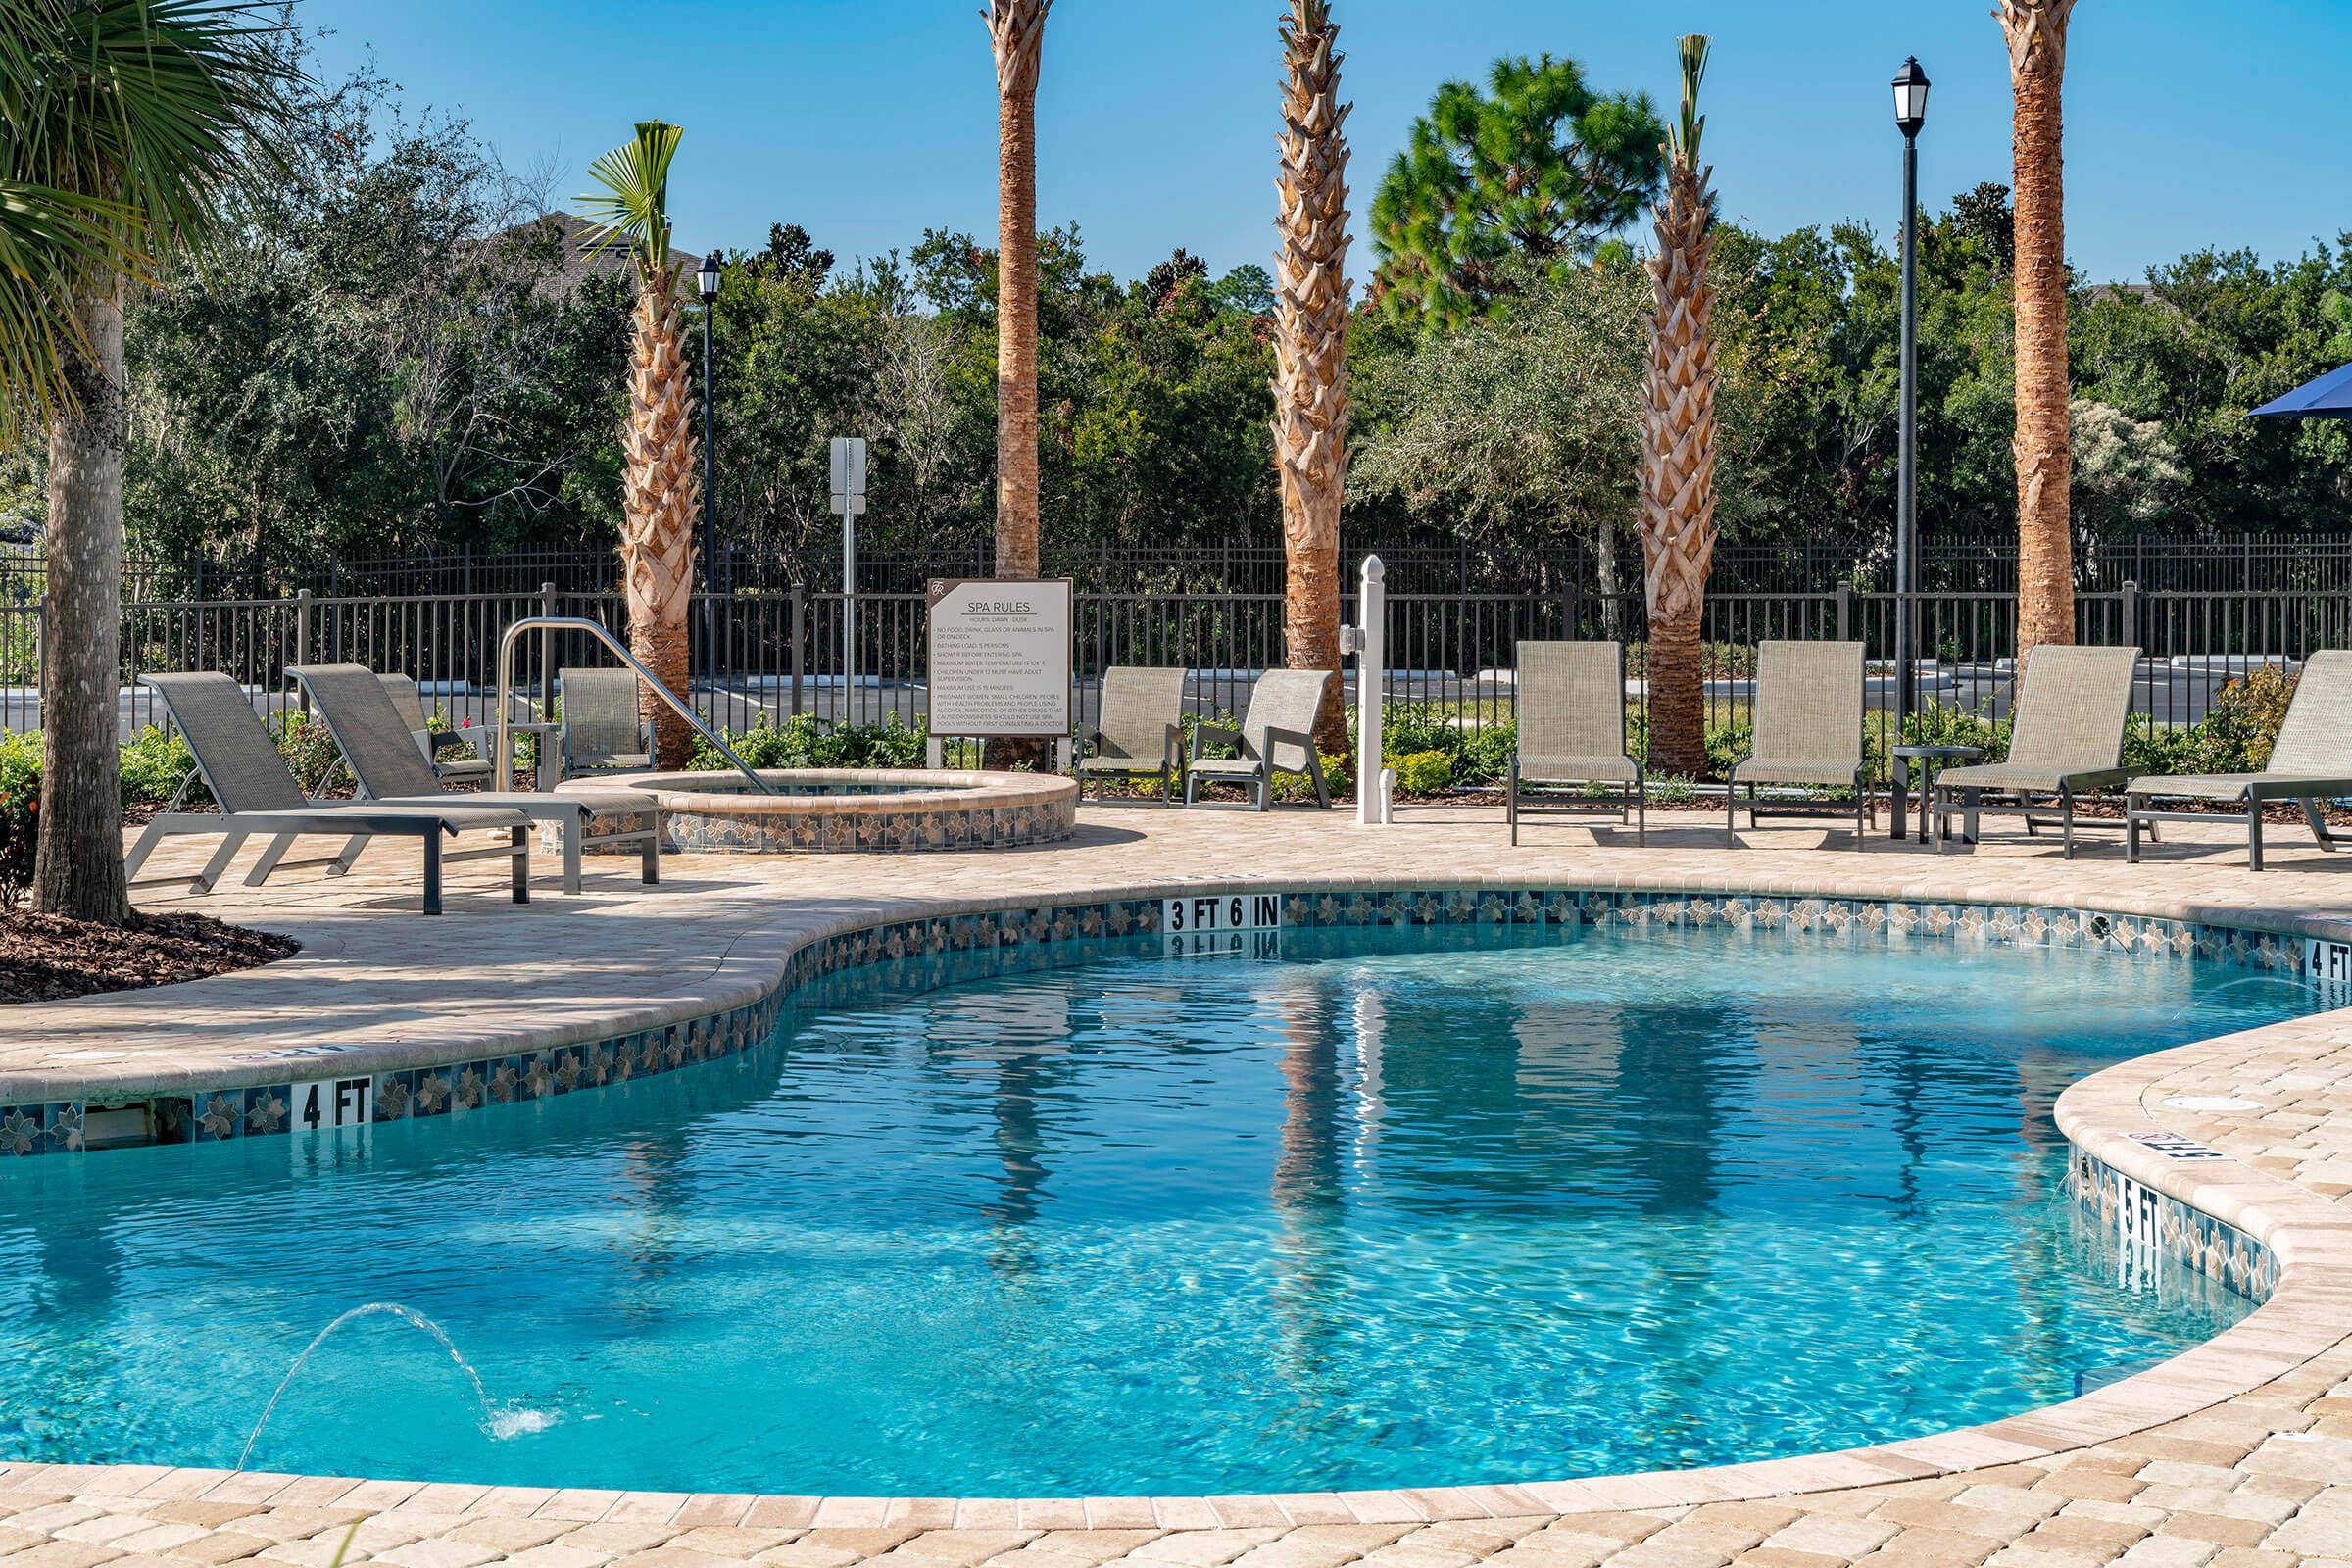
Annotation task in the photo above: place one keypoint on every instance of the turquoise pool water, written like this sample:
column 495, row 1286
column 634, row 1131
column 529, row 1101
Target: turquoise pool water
column 1400, row 1208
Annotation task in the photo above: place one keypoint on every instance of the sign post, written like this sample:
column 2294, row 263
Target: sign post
column 849, row 499
column 999, row 663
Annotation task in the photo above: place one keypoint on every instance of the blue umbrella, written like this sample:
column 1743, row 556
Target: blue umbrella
column 2328, row 398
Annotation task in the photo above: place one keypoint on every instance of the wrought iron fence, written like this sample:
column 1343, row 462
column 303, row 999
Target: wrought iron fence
column 1427, row 563
column 780, row 652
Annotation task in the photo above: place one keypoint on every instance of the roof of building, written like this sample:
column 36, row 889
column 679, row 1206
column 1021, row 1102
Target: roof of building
column 581, row 262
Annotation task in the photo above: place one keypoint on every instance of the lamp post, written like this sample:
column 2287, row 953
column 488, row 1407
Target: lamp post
column 705, row 277
column 1910, row 114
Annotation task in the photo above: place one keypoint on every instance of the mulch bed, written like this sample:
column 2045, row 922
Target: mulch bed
column 48, row 957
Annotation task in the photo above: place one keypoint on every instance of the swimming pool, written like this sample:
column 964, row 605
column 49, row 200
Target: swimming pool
column 1378, row 1207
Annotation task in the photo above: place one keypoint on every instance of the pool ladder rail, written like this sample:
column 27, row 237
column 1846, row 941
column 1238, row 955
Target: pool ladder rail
column 500, row 715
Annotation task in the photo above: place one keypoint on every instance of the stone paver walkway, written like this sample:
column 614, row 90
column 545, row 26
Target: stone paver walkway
column 2240, row 1454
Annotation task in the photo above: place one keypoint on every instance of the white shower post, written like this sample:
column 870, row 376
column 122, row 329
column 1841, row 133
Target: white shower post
column 1374, row 784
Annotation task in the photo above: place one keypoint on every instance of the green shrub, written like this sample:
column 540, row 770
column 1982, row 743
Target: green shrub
column 1486, row 755
column 153, row 765
column 1957, row 726
column 1409, row 727
column 2243, row 721
column 807, row 741
column 20, row 813
column 1339, row 780
column 1727, row 745
column 1479, row 755
column 1424, row 773
column 304, row 742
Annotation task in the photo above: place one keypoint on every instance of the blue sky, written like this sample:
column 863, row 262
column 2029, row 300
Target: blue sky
column 2189, row 121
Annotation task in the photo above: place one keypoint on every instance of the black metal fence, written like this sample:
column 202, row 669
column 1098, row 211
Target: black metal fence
column 1431, row 563
column 792, row 651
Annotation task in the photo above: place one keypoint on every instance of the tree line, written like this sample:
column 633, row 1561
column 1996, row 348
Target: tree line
column 391, row 355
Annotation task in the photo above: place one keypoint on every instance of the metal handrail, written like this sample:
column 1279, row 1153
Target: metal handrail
column 505, row 691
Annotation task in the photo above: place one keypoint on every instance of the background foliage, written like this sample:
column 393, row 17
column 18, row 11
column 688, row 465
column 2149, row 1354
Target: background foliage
column 393, row 357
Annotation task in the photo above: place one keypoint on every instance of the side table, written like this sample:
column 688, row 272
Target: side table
column 1932, row 759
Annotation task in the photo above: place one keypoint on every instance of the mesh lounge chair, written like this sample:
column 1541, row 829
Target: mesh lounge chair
column 370, row 730
column 2067, row 742
column 238, row 764
column 1276, row 737
column 1138, row 732
column 410, row 703
column 602, row 729
column 2311, row 761
column 1572, row 731
column 1808, row 730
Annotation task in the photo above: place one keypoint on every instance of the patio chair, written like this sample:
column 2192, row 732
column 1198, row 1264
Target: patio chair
column 2067, row 742
column 1807, row 731
column 430, row 739
column 2310, row 761
column 1138, row 732
column 1277, row 736
column 601, row 729
column 1571, row 699
column 257, row 794
column 370, row 733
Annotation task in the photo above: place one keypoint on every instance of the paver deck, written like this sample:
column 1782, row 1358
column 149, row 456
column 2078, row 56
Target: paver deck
column 2236, row 1455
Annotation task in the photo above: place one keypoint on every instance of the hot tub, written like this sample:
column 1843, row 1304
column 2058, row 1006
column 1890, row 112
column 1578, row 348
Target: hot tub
column 815, row 810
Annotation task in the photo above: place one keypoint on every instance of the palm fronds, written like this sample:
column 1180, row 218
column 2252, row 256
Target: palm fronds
column 122, row 121
column 632, row 211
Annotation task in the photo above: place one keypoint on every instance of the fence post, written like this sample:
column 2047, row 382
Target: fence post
column 546, row 658
column 799, row 639
column 2126, row 609
column 1845, row 612
column 302, row 636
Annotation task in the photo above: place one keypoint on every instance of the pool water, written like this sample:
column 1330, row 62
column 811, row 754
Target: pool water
column 1399, row 1208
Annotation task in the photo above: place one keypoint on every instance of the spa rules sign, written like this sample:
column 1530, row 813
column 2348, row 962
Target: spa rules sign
column 999, row 656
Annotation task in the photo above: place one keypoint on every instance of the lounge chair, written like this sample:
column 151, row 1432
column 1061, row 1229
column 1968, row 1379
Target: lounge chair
column 370, row 733
column 431, row 739
column 240, row 766
column 2311, row 761
column 1571, row 699
column 1277, row 736
column 1807, row 731
column 2068, row 742
column 1137, row 733
column 602, row 729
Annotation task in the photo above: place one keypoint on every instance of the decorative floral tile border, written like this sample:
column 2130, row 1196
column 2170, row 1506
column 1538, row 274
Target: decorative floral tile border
column 2150, row 1222
column 962, row 946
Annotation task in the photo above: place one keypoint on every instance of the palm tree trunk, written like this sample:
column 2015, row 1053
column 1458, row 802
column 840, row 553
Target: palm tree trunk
column 663, row 489
column 79, row 872
column 1016, row 28
column 1016, row 32
column 2036, row 30
column 1310, row 353
column 1675, row 670
column 1677, row 470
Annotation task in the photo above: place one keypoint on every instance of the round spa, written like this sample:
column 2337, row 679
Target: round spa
column 819, row 809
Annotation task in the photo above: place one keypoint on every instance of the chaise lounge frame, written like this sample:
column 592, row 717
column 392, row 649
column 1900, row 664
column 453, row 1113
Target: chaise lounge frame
column 257, row 795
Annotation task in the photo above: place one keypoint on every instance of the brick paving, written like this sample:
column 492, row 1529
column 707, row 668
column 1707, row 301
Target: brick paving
column 2235, row 1455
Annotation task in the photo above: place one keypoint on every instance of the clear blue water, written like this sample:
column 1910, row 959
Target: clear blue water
column 1403, row 1207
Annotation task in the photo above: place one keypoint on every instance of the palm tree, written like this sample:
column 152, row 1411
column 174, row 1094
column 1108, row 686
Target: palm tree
column 47, row 236
column 1311, row 351
column 1017, row 30
column 1678, row 479
column 2036, row 30
column 662, row 485
column 125, row 121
